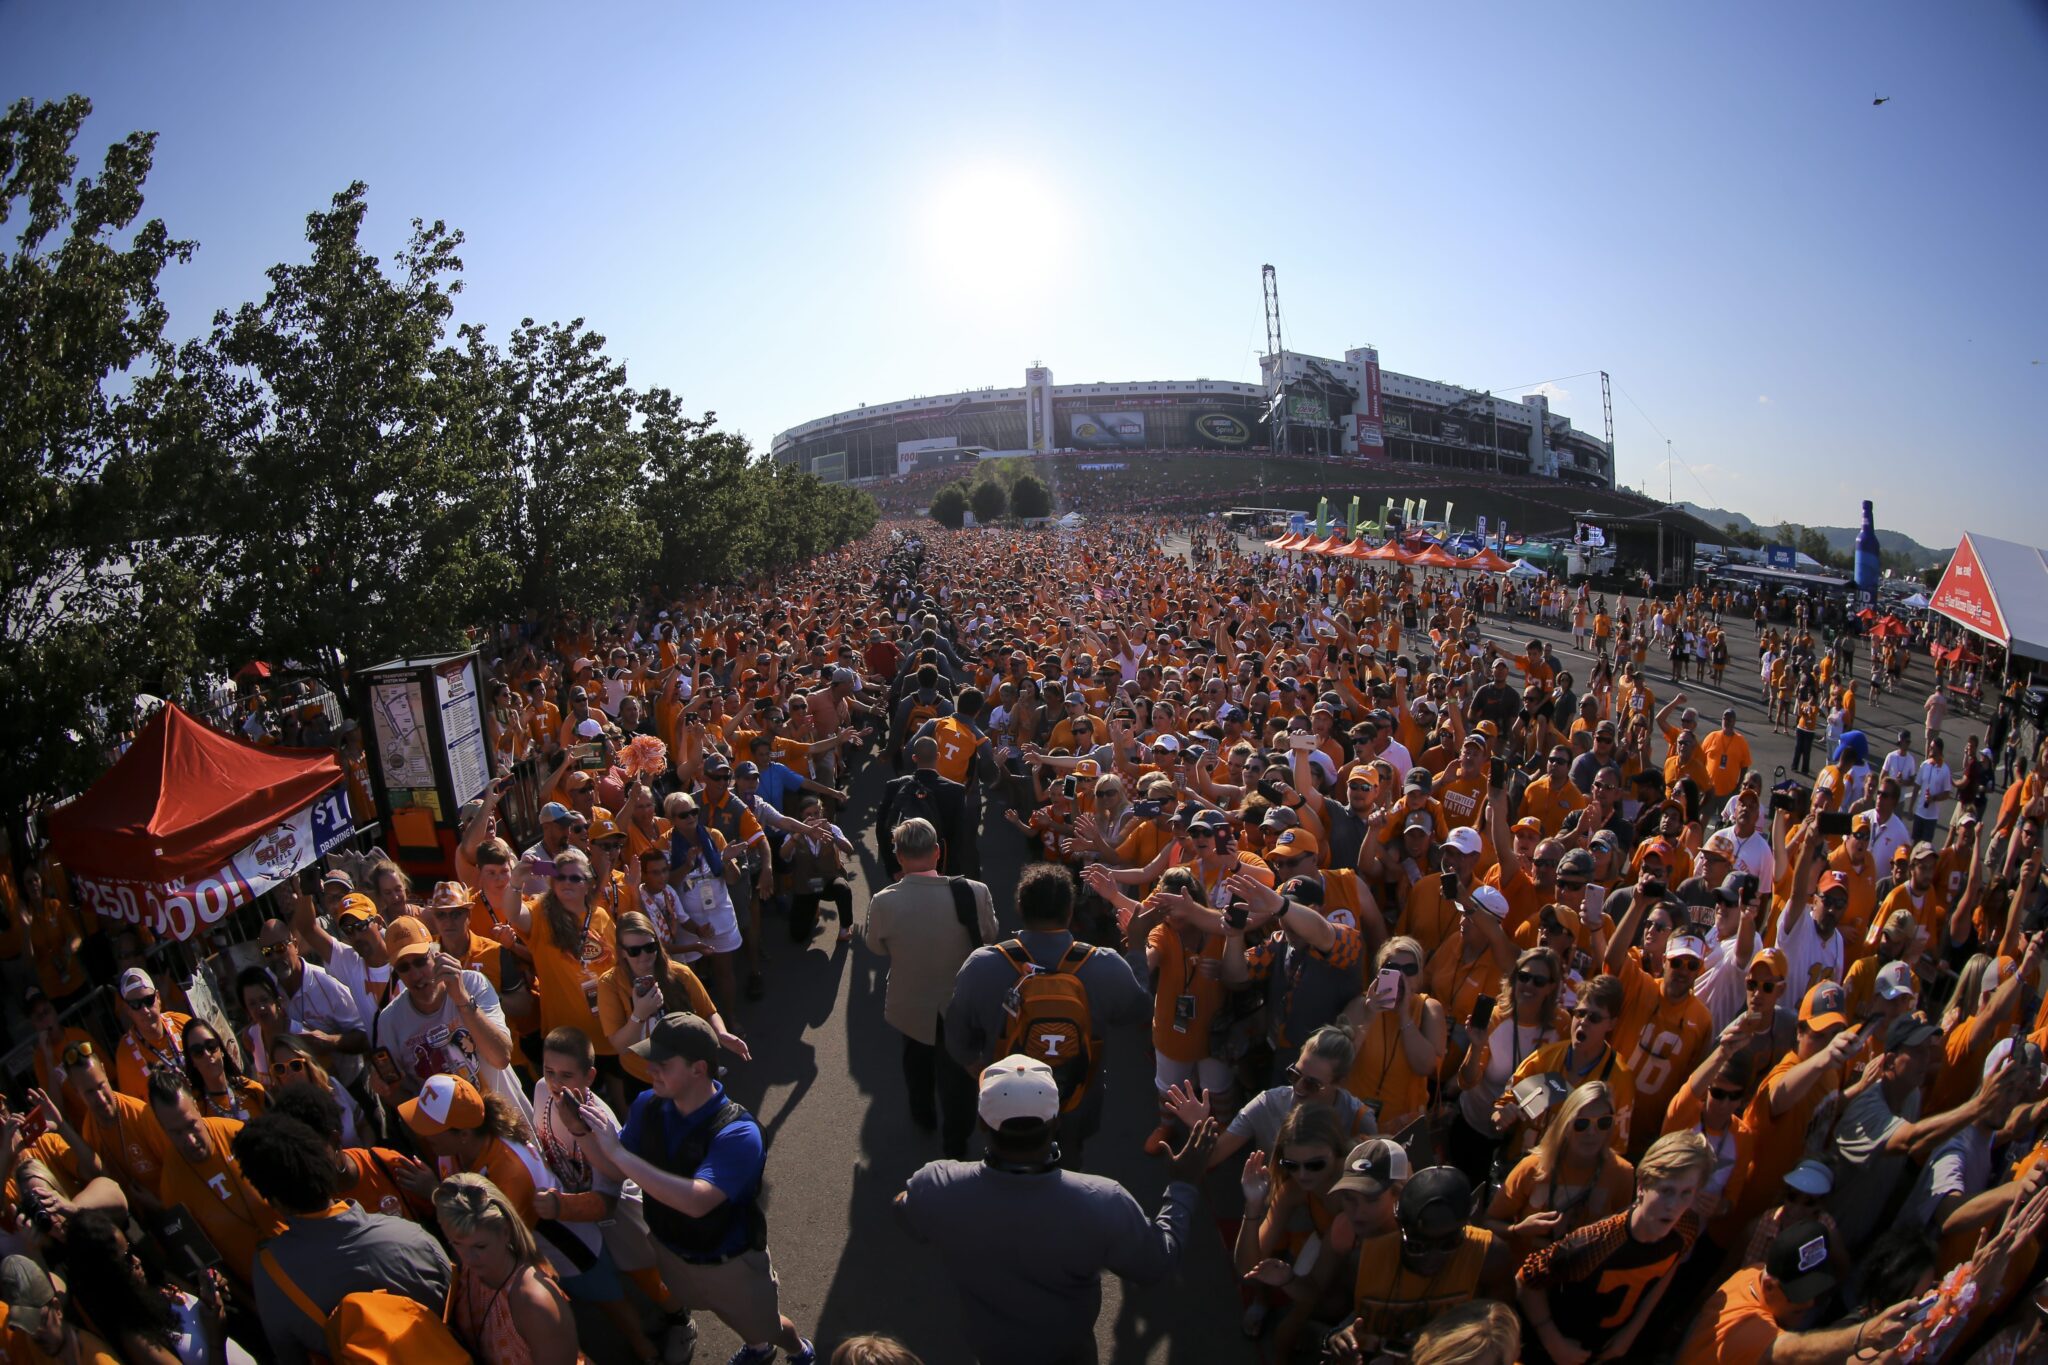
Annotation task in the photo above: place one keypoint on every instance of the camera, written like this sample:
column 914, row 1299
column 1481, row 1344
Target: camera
column 1237, row 915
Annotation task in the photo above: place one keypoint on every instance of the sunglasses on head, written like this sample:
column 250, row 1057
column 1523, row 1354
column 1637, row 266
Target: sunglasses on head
column 1312, row 1165
column 1296, row 1077
column 75, row 1053
column 1603, row 1123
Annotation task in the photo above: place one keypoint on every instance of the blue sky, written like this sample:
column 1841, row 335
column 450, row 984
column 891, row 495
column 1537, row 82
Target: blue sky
column 783, row 211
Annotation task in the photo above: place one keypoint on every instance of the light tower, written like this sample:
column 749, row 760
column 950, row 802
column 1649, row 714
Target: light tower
column 1275, row 357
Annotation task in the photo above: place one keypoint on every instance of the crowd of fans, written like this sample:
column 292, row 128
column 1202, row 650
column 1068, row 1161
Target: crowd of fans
column 1502, row 1014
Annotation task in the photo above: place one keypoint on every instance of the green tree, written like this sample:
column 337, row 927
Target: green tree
column 1029, row 497
column 99, row 583
column 697, row 494
column 949, row 505
column 354, row 524
column 988, row 500
column 573, row 524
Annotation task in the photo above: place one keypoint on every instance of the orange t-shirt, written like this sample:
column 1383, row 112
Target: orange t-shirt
column 1737, row 1325
column 567, row 984
column 615, row 1007
column 1186, row 1039
column 234, row 1217
column 134, row 1059
column 1780, row 1140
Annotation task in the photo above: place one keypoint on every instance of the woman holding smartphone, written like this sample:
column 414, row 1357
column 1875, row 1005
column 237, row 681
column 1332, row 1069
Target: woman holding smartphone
column 1574, row 1177
column 1529, row 1023
column 644, row 984
column 1401, row 1035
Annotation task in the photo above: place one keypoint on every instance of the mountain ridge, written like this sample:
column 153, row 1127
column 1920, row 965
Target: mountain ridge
column 1842, row 538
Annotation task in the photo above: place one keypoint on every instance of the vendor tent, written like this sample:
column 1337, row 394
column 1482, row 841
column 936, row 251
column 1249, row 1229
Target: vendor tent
column 190, row 823
column 1522, row 568
column 1486, row 561
column 1998, row 589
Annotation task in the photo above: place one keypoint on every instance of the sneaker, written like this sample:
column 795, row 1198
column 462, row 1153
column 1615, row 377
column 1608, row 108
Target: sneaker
column 752, row 1355
column 807, row 1354
column 678, row 1339
column 1254, row 1318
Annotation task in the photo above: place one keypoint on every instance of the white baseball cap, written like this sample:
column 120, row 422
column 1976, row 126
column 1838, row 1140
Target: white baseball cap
column 1491, row 900
column 1017, row 1087
column 1686, row 945
column 1464, row 838
column 590, row 729
column 134, row 981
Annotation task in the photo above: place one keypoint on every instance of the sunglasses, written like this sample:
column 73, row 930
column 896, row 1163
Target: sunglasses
column 351, row 927
column 141, row 1002
column 1682, row 964
column 1731, row 1096
column 290, row 1066
column 1310, row 1084
column 1585, row 1016
column 1766, row 984
column 205, row 1047
column 1570, row 885
column 1404, row 967
column 640, row 949
column 1312, row 1165
column 1603, row 1123
column 1531, row 979
column 574, row 879
column 277, row 950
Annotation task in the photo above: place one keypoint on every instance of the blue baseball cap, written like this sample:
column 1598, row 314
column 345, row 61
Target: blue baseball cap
column 553, row 811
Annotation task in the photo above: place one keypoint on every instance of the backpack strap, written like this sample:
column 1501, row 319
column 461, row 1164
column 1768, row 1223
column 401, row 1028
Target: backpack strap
column 965, row 909
column 1013, row 949
column 291, row 1290
column 1076, row 954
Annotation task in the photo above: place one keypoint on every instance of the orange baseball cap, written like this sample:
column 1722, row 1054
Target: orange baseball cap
column 603, row 827
column 1825, row 1006
column 406, row 936
column 1833, row 881
column 357, row 906
column 1773, row 961
column 444, row 1102
column 1295, row 843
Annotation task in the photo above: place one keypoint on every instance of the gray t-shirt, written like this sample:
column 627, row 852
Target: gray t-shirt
column 1031, row 1295
column 333, row 1257
column 1866, row 1178
column 1260, row 1120
column 1962, row 1165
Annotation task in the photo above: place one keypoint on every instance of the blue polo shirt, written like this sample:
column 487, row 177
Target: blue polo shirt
column 654, row 1129
column 779, row 782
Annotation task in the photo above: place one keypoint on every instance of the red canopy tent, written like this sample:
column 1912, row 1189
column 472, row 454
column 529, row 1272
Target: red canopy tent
column 190, row 823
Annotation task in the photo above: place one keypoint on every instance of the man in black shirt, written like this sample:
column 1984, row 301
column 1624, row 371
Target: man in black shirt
column 1498, row 701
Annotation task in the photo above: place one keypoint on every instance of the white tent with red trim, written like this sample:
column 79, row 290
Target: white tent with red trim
column 1998, row 589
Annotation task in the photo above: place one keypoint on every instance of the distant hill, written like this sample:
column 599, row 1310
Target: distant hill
column 1841, row 538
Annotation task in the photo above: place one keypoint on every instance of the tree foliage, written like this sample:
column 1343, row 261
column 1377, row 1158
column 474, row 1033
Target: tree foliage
column 1029, row 497
column 97, row 586
column 988, row 500
column 949, row 505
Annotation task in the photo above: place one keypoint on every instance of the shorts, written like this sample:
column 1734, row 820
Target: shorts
column 599, row 1284
column 626, row 1238
column 742, row 1293
column 1208, row 1073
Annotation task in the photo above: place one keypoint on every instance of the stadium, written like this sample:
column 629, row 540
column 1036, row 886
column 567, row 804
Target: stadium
column 1304, row 405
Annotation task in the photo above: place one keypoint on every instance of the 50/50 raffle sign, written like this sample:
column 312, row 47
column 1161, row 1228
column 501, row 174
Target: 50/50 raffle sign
column 181, row 909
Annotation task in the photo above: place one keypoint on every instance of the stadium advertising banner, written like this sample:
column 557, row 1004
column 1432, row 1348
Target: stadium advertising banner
column 1307, row 408
column 1099, row 429
column 1372, row 440
column 1397, row 421
column 1370, row 419
column 1781, row 557
column 1221, row 430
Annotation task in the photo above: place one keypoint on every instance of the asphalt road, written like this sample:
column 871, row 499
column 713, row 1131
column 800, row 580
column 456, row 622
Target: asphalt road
column 827, row 1086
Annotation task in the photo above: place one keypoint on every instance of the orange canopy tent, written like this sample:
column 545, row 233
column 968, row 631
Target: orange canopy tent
column 1435, row 557
column 1486, row 561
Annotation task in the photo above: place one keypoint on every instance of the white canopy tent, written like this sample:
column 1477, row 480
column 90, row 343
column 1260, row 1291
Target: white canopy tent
column 1998, row 589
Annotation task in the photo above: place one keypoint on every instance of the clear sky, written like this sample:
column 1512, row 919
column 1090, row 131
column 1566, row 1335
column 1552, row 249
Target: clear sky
column 782, row 211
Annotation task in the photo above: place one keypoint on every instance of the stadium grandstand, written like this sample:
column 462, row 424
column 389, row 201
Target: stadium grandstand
column 1304, row 405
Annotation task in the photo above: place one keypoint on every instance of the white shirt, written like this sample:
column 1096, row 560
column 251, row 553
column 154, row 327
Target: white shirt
column 1753, row 855
column 1396, row 753
column 367, row 984
column 1900, row 767
column 1935, row 781
column 1807, row 959
column 1887, row 838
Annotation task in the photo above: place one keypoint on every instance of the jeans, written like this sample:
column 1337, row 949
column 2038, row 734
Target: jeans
column 1802, row 752
column 931, row 1073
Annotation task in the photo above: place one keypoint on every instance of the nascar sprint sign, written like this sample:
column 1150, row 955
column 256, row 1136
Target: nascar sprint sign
column 181, row 909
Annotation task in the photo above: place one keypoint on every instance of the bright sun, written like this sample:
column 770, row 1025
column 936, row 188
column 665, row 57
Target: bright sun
column 993, row 234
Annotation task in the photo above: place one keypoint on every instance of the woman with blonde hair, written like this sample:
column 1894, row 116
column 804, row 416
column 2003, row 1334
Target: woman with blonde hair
column 1479, row 1332
column 569, row 935
column 1574, row 1177
column 503, row 1303
column 291, row 1060
column 1400, row 1034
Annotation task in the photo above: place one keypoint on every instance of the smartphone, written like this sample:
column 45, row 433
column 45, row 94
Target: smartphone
column 1448, row 883
column 385, row 1067
column 1145, row 810
column 1068, row 787
column 186, row 1246
column 1482, row 1016
column 1500, row 770
column 1656, row 891
column 1834, row 824
column 642, row 985
column 34, row 1123
column 1237, row 915
column 1386, row 988
column 572, row 1112
column 1301, row 742
column 1596, row 896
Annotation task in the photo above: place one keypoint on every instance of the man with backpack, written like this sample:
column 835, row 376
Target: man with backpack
column 335, row 1270
column 925, row 792
column 1048, row 996
column 926, row 924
